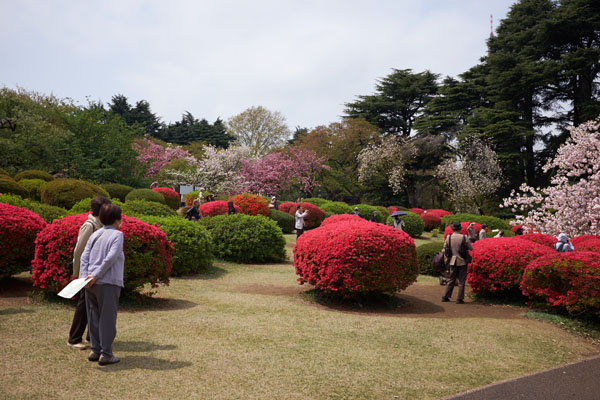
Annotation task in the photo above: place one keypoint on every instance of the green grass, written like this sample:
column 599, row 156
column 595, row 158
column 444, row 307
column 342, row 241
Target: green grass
column 248, row 331
column 589, row 328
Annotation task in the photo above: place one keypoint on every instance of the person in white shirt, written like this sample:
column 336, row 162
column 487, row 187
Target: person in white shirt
column 301, row 213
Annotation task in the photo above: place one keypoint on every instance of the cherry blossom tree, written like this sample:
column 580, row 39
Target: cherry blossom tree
column 474, row 175
column 571, row 203
column 385, row 157
column 155, row 156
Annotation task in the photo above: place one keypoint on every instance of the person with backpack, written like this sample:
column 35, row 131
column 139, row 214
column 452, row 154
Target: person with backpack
column 91, row 225
column 456, row 251
column 563, row 245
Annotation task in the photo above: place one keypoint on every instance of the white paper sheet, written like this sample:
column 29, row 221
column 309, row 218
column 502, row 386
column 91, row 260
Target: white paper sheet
column 74, row 287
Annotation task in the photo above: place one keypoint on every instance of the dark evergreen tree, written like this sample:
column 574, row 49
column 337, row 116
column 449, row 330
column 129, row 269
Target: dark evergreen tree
column 190, row 129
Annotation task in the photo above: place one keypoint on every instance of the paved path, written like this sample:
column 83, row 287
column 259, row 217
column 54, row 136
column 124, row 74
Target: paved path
column 577, row 381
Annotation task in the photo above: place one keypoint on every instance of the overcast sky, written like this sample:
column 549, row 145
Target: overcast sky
column 217, row 58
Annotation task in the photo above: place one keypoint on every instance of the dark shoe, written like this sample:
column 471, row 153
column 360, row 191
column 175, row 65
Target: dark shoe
column 460, row 302
column 445, row 299
column 93, row 356
column 108, row 360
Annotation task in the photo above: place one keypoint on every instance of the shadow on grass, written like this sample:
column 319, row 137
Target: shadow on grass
column 587, row 326
column 373, row 303
column 512, row 297
column 12, row 311
column 15, row 286
column 214, row 272
column 141, row 302
column 135, row 346
column 146, row 363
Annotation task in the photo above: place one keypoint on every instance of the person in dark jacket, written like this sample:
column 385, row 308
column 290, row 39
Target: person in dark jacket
column 193, row 214
column 230, row 208
column 458, row 263
column 373, row 217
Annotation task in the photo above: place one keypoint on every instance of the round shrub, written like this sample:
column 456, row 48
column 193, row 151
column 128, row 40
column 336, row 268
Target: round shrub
column 383, row 212
column 491, row 222
column 117, row 191
column 589, row 245
column 583, row 238
column 425, row 254
column 47, row 212
column 285, row 207
column 334, row 219
column 147, row 250
column 4, row 173
column 134, row 208
column 146, row 195
column 251, row 204
column 33, row 187
column 540, row 238
column 336, row 207
column 313, row 219
column 463, row 230
column 192, row 242
column 217, row 207
column 348, row 258
column 7, row 185
column 431, row 221
column 413, row 224
column 18, row 229
column 284, row 220
column 33, row 174
column 246, row 238
column 498, row 263
column 366, row 211
column 566, row 281
column 316, row 201
column 437, row 212
column 172, row 198
column 66, row 192
column 417, row 211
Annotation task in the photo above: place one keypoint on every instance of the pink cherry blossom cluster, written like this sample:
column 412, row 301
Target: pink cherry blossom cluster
column 571, row 203
column 155, row 156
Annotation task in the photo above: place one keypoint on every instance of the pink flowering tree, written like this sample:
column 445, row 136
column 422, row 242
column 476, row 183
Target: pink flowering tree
column 571, row 203
column 277, row 172
column 155, row 156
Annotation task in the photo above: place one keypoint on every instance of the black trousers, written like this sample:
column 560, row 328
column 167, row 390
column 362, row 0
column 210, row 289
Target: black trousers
column 457, row 273
column 79, row 320
column 299, row 232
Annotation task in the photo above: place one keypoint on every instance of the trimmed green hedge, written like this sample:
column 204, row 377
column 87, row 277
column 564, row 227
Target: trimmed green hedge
column 8, row 185
column 336, row 207
column 66, row 192
column 284, row 220
column 85, row 205
column 34, row 174
column 316, row 201
column 117, row 191
column 246, row 238
column 366, row 211
column 34, row 187
column 193, row 243
column 3, row 172
column 146, row 195
column 491, row 222
column 47, row 212
column 137, row 208
column 413, row 223
column 383, row 211
column 425, row 254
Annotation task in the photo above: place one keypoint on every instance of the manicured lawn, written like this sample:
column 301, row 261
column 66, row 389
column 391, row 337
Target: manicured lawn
column 247, row 331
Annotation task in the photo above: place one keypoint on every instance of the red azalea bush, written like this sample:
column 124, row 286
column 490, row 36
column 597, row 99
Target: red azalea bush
column 217, row 207
column 540, row 238
column 147, row 251
column 588, row 245
column 392, row 209
column 525, row 228
column 431, row 221
column 417, row 211
column 171, row 197
column 583, row 238
column 251, row 204
column 18, row 229
column 464, row 226
column 437, row 212
column 498, row 263
column 348, row 258
column 564, row 280
column 334, row 219
column 315, row 215
column 285, row 207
